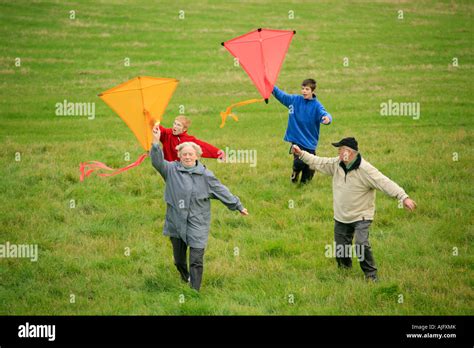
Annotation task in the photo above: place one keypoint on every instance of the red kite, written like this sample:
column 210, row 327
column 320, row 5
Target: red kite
column 261, row 54
column 134, row 101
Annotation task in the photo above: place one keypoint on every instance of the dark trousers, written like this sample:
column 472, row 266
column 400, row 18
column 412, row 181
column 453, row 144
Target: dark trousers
column 300, row 167
column 196, row 262
column 343, row 235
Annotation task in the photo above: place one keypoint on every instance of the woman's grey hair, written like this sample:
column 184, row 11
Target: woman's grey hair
column 195, row 146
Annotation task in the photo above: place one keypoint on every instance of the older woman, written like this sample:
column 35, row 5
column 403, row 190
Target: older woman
column 189, row 186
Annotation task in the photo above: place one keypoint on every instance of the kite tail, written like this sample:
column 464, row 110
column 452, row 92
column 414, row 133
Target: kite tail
column 87, row 168
column 228, row 111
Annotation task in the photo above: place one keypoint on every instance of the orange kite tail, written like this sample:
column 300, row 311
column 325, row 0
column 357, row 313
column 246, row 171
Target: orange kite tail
column 228, row 111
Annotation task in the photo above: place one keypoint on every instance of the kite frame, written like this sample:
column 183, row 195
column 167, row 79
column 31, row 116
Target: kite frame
column 260, row 40
column 113, row 90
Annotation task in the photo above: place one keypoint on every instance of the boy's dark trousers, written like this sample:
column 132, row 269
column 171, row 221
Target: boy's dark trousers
column 343, row 234
column 299, row 166
column 196, row 260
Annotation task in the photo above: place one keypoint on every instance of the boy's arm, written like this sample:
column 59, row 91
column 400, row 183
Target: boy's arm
column 325, row 116
column 284, row 98
column 208, row 150
column 165, row 132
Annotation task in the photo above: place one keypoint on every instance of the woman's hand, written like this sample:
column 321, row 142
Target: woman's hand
column 156, row 133
column 244, row 212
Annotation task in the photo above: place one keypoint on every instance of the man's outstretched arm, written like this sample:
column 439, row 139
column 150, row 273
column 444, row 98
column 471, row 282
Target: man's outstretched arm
column 382, row 183
column 325, row 165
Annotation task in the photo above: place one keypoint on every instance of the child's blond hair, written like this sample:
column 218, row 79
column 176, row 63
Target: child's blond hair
column 186, row 122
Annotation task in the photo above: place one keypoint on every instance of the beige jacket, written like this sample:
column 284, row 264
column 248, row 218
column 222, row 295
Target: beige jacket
column 354, row 193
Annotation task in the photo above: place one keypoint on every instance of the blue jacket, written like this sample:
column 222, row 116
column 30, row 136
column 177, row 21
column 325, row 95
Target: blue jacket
column 304, row 118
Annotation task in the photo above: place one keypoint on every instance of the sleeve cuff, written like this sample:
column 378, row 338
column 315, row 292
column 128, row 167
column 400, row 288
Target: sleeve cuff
column 303, row 154
column 403, row 197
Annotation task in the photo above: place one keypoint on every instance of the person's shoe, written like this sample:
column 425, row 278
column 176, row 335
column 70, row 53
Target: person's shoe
column 372, row 278
column 294, row 177
column 185, row 280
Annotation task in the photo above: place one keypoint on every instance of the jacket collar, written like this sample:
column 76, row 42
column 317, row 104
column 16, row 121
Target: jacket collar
column 314, row 98
column 199, row 170
column 354, row 166
column 184, row 134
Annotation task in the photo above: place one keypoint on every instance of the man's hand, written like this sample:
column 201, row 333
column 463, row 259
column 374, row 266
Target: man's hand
column 326, row 119
column 409, row 204
column 296, row 150
column 156, row 134
column 244, row 212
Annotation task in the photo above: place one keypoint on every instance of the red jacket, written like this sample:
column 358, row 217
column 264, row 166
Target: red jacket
column 170, row 142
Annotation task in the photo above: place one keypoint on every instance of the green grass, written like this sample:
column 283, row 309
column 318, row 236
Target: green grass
column 281, row 250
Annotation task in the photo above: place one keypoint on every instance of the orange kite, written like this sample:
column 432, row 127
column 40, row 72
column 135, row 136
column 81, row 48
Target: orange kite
column 134, row 101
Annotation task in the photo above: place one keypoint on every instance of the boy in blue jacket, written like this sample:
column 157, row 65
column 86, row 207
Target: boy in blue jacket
column 305, row 115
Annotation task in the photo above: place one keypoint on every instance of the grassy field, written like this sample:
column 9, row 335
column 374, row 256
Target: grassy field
column 424, row 258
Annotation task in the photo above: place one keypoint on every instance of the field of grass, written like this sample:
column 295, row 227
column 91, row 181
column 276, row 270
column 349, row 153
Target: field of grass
column 424, row 258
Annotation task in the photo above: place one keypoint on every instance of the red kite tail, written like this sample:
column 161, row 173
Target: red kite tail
column 87, row 168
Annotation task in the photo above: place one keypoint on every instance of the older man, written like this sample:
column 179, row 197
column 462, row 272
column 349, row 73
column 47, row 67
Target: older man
column 354, row 183
column 189, row 188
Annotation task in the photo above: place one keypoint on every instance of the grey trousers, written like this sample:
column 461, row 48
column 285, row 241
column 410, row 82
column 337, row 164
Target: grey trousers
column 196, row 262
column 343, row 235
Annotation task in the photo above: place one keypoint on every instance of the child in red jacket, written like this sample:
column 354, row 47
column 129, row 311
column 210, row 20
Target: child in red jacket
column 172, row 137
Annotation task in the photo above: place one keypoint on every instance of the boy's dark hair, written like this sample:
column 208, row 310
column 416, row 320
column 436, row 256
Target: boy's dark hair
column 309, row 83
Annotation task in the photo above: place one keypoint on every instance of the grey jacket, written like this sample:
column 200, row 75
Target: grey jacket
column 187, row 196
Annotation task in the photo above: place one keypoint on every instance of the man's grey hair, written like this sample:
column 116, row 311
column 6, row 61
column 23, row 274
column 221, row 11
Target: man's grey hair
column 351, row 149
column 195, row 146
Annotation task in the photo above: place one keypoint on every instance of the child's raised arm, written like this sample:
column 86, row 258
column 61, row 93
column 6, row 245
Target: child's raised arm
column 284, row 98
